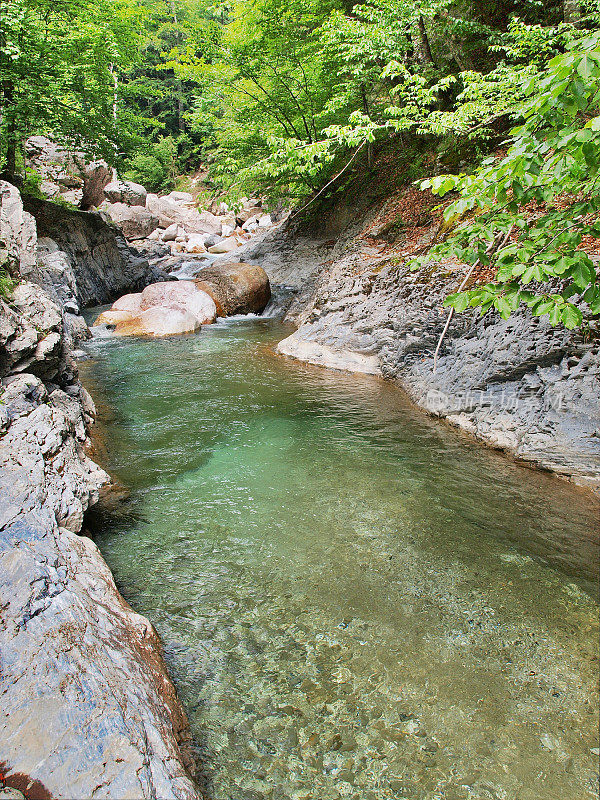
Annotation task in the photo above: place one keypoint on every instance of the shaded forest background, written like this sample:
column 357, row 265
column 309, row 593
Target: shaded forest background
column 494, row 102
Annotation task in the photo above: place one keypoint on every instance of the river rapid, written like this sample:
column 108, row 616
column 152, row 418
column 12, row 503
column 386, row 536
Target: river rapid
column 356, row 600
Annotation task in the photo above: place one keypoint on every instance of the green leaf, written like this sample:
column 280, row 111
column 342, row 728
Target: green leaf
column 458, row 302
column 582, row 275
column 555, row 315
column 571, row 316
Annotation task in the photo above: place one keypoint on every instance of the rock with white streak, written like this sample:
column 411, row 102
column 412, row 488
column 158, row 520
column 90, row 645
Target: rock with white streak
column 226, row 246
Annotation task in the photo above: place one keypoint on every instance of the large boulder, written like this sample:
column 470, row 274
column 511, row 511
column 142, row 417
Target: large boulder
column 135, row 222
column 196, row 243
column 162, row 309
column 236, row 288
column 247, row 213
column 129, row 302
column 165, row 294
column 64, row 169
column 18, row 233
column 128, row 192
column 95, row 177
column 170, row 211
column 159, row 322
column 181, row 197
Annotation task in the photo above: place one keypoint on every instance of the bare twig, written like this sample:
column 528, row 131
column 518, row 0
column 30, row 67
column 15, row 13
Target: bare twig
column 495, row 245
column 335, row 177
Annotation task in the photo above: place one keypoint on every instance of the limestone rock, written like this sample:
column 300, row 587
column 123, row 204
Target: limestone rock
column 31, row 334
column 236, row 288
column 17, row 230
column 87, row 707
column 113, row 317
column 101, row 264
column 129, row 302
column 128, row 192
column 324, row 356
column 159, row 321
column 196, row 243
column 95, row 177
column 170, row 233
column 518, row 384
column 135, row 222
column 225, row 246
column 163, row 309
column 247, row 213
column 85, row 699
column 181, row 197
column 164, row 293
column 169, row 211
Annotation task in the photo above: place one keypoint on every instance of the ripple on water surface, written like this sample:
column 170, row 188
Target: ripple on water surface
column 356, row 601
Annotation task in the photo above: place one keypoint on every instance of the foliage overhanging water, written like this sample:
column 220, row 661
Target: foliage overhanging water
column 356, row 601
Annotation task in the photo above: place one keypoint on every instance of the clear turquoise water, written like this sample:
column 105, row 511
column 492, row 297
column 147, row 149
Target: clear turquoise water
column 356, row 601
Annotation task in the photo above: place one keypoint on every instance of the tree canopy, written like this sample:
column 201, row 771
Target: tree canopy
column 280, row 96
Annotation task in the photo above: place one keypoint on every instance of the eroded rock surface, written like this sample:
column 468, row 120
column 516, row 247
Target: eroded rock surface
column 87, row 709
column 162, row 309
column 97, row 261
column 135, row 222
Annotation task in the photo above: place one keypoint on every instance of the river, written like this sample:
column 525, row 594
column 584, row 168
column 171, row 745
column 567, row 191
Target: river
column 356, row 600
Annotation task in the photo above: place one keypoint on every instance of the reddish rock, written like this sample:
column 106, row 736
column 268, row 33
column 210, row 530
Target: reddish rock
column 159, row 321
column 236, row 288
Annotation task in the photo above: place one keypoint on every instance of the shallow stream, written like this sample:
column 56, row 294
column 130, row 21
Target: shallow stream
column 356, row 601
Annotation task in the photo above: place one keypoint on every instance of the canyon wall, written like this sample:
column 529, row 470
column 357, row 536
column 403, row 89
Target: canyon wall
column 88, row 709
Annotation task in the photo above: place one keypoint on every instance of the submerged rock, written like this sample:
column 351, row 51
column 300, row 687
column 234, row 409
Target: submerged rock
column 519, row 384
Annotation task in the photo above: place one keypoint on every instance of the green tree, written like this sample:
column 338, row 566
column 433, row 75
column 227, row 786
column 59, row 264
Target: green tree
column 527, row 213
column 59, row 66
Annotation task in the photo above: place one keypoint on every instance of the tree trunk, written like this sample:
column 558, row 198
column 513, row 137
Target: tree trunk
column 363, row 93
column 9, row 170
column 571, row 11
column 425, row 48
column 115, row 78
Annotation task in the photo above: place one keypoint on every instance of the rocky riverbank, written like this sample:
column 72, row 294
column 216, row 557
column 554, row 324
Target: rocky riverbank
column 87, row 706
column 518, row 384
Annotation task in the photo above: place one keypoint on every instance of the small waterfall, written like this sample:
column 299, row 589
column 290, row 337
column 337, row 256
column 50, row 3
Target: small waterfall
column 281, row 299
